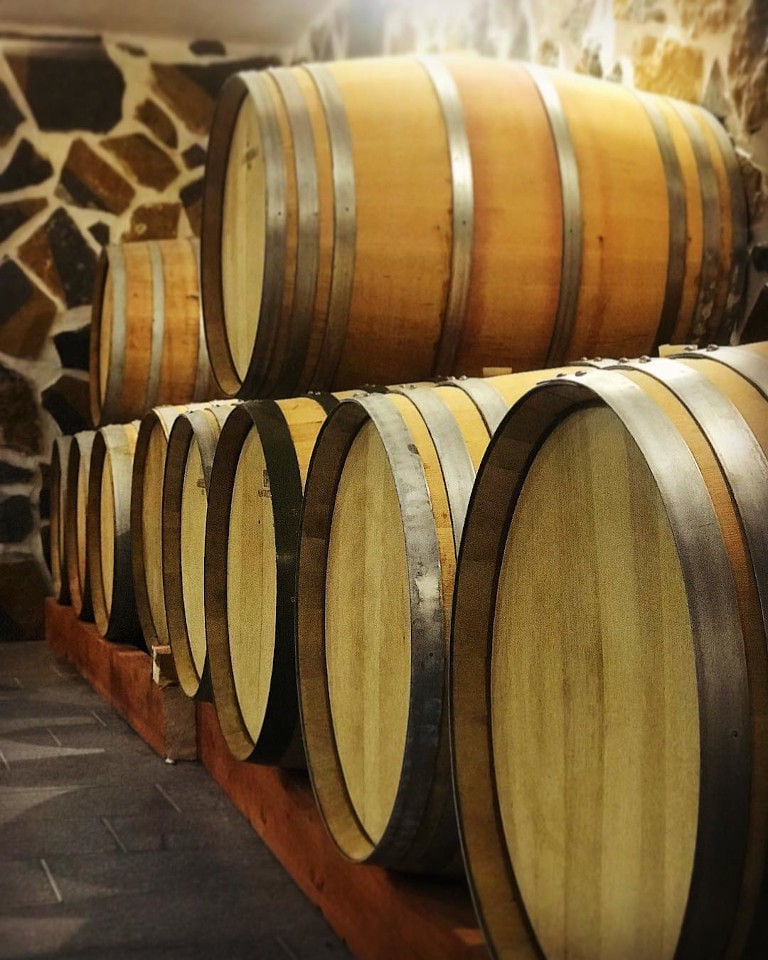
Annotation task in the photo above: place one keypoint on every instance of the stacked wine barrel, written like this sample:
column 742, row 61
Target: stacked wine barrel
column 147, row 348
column 147, row 339
column 388, row 220
column 514, row 626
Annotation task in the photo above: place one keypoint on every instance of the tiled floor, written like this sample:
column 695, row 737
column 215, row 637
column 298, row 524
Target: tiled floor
column 107, row 853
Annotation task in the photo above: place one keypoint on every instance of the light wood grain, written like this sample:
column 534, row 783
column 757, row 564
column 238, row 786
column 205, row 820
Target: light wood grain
column 735, row 525
column 402, row 189
column 324, row 169
column 151, row 544
column 694, row 218
column 104, row 332
column 243, row 637
column 594, row 701
column 368, row 631
column 194, row 508
column 170, row 308
column 107, row 530
column 518, row 216
column 251, row 584
column 59, row 464
column 243, row 236
column 370, row 605
column 74, row 524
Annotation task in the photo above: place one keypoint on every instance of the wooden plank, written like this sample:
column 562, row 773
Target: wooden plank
column 122, row 675
column 380, row 914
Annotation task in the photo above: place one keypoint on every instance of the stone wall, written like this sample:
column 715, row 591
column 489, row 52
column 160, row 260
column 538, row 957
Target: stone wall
column 102, row 139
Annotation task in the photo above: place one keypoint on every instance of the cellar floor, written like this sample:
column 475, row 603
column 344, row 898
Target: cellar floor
column 107, row 851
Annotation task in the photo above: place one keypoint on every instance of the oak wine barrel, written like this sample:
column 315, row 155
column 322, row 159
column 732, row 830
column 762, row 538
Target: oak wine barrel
column 385, row 498
column 75, row 540
column 147, row 519
column 251, row 549
column 188, row 461
column 59, row 464
column 147, row 338
column 108, row 533
column 609, row 683
column 540, row 215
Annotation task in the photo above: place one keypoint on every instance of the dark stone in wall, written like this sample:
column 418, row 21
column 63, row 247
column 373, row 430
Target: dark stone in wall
column 100, row 233
column 10, row 115
column 88, row 181
column 26, row 168
column 68, row 402
column 23, row 587
column 151, row 166
column 192, row 198
column 158, row 122
column 16, row 521
column 203, row 47
column 59, row 254
column 73, row 347
column 191, row 89
column 19, row 417
column 194, row 156
column 154, row 221
column 10, row 473
column 73, row 87
column 26, row 313
column 18, row 212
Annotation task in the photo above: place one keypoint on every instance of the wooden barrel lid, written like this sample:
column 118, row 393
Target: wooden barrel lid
column 78, row 468
column 108, row 533
column 256, row 491
column 189, row 456
column 724, row 405
column 59, row 462
column 605, row 657
column 368, row 631
column 146, row 520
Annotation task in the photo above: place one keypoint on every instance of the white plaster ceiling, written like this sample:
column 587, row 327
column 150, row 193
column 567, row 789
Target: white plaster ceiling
column 262, row 22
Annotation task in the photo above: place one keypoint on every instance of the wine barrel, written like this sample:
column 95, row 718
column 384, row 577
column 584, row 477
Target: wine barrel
column 385, row 498
column 622, row 222
column 147, row 519
column 59, row 463
column 251, row 548
column 188, row 461
column 108, row 533
column 147, row 339
column 608, row 684
column 75, row 540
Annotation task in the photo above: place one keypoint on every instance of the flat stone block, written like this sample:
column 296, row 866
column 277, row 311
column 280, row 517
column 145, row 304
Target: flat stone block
column 19, row 415
column 158, row 121
column 18, row 212
column 26, row 168
column 75, row 88
column 87, row 180
column 150, row 165
column 26, row 313
column 59, row 254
